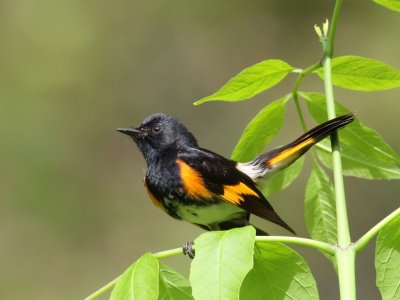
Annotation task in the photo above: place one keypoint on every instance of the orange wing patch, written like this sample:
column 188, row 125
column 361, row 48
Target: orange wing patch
column 192, row 181
column 235, row 193
column 289, row 152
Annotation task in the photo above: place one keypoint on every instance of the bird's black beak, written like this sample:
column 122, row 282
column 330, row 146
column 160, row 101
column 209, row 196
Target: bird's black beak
column 132, row 132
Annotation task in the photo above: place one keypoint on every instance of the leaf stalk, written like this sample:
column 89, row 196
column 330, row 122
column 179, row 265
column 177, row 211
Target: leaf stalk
column 303, row 74
column 363, row 241
column 328, row 248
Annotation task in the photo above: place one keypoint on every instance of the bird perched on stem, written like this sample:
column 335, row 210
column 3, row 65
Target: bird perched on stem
column 204, row 188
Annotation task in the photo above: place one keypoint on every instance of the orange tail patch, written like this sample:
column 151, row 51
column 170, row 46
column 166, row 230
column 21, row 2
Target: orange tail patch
column 291, row 153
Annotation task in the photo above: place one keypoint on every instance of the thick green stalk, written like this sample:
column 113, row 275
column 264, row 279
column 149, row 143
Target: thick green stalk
column 345, row 260
column 345, row 253
column 342, row 222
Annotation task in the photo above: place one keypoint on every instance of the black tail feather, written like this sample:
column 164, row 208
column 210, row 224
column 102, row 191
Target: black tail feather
column 323, row 130
column 283, row 157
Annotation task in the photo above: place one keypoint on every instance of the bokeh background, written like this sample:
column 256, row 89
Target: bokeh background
column 73, row 212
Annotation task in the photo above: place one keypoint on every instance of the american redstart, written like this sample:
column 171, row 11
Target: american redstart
column 204, row 188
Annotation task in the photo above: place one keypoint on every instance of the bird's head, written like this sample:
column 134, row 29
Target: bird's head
column 159, row 133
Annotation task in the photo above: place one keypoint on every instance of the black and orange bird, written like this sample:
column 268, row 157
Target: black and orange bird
column 204, row 188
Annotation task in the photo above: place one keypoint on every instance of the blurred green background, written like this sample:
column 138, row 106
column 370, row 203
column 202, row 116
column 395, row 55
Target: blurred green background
column 73, row 212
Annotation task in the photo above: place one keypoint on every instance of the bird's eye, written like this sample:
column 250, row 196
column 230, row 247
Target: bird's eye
column 156, row 129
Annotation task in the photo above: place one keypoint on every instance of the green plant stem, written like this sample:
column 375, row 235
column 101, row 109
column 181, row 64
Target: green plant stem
column 111, row 284
column 303, row 74
column 346, row 270
column 343, row 225
column 330, row 249
column 102, row 290
column 363, row 241
column 342, row 221
column 168, row 253
column 345, row 253
column 332, row 29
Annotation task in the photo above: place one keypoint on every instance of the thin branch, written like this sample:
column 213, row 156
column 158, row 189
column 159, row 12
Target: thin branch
column 363, row 241
column 303, row 74
column 102, row 290
column 328, row 248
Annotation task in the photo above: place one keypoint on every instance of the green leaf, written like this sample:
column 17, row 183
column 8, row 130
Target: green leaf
column 260, row 131
column 387, row 260
column 282, row 179
column 364, row 152
column 223, row 258
column 363, row 74
column 278, row 273
column 391, row 4
column 320, row 207
column 251, row 81
column 359, row 164
column 139, row 281
column 173, row 286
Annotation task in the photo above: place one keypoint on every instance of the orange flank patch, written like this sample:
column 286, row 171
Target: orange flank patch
column 289, row 152
column 234, row 193
column 152, row 197
column 192, row 181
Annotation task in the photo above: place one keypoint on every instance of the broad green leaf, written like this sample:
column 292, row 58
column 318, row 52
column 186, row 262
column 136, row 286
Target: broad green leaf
column 251, row 81
column 387, row 260
column 359, row 164
column 279, row 273
column 282, row 179
column 365, row 137
column 260, row 131
column 223, row 258
column 320, row 207
column 139, row 281
column 363, row 74
column 391, row 4
column 173, row 286
column 364, row 152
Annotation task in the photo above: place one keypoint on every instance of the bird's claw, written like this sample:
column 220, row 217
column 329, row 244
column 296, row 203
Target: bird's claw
column 187, row 248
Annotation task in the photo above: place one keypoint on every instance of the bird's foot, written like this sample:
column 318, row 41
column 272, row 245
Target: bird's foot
column 188, row 249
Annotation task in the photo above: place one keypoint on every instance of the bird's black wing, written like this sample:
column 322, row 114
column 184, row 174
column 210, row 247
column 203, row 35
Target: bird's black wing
column 207, row 175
